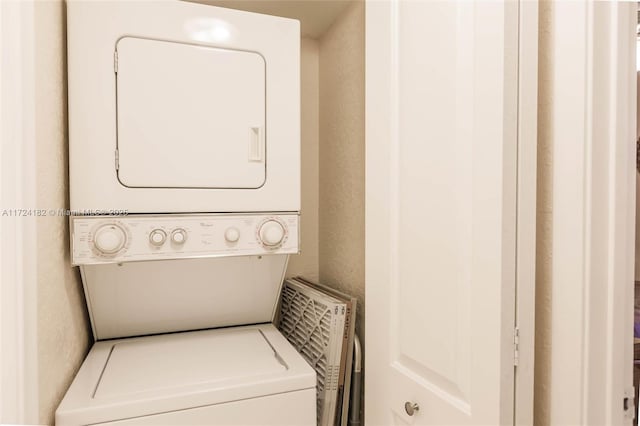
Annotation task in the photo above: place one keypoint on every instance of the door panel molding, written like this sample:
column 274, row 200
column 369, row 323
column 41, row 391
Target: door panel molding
column 483, row 117
column 591, row 129
column 526, row 210
column 19, row 387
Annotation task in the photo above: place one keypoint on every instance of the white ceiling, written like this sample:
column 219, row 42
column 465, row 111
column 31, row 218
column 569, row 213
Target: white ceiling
column 315, row 16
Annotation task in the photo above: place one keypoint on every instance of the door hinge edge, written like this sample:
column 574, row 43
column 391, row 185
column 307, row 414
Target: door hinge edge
column 516, row 346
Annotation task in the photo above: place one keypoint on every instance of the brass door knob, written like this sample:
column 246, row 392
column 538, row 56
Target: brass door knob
column 411, row 407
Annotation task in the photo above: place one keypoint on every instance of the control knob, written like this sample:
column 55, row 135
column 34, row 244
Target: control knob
column 179, row 236
column 157, row 237
column 109, row 239
column 271, row 233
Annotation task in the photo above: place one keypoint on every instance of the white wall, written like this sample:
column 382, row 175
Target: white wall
column 306, row 263
column 332, row 97
column 63, row 327
column 342, row 156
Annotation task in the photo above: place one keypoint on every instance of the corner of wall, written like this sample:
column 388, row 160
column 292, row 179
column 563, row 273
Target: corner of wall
column 64, row 334
column 306, row 263
column 342, row 156
column 342, row 159
column 544, row 219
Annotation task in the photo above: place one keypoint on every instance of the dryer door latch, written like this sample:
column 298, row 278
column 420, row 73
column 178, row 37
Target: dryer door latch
column 256, row 144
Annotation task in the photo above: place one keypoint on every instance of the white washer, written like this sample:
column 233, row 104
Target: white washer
column 244, row 374
column 236, row 376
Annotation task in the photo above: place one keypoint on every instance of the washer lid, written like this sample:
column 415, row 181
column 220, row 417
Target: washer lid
column 185, row 359
column 140, row 376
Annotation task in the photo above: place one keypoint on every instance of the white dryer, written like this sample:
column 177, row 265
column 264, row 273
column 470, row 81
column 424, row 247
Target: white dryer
column 182, row 107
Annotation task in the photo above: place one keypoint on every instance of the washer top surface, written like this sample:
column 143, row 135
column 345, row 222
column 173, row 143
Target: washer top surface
column 139, row 376
column 185, row 359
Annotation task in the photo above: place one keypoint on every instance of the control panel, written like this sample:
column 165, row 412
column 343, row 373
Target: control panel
column 116, row 239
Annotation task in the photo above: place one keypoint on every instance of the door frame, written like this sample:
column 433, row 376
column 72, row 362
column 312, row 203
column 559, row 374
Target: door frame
column 526, row 210
column 592, row 108
column 18, row 285
column 381, row 51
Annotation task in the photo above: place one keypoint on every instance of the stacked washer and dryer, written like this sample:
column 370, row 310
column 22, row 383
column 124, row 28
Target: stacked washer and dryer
column 185, row 117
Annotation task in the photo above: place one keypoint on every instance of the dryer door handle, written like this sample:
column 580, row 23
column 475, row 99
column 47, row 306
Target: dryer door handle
column 256, row 144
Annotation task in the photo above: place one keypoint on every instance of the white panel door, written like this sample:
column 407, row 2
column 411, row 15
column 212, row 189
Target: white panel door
column 189, row 116
column 441, row 212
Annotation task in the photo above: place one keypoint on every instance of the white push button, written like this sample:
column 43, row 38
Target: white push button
column 157, row 237
column 232, row 235
column 179, row 236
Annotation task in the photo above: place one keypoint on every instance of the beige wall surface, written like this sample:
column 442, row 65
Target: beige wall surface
column 306, row 263
column 342, row 156
column 544, row 220
column 63, row 326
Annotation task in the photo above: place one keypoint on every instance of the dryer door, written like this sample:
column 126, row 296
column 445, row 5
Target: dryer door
column 189, row 116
